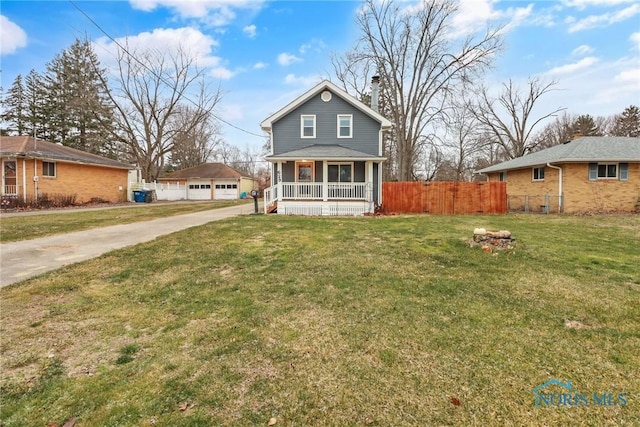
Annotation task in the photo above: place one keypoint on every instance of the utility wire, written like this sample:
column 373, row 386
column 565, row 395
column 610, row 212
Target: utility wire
column 153, row 72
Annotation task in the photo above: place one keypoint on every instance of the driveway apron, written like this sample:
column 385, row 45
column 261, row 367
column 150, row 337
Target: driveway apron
column 25, row 259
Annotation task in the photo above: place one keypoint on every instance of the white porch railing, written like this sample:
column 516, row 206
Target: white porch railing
column 10, row 190
column 316, row 191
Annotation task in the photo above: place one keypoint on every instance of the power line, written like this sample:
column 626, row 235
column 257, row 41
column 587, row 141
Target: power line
column 161, row 78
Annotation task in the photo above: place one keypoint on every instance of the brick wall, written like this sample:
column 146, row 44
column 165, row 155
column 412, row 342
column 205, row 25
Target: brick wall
column 85, row 181
column 580, row 194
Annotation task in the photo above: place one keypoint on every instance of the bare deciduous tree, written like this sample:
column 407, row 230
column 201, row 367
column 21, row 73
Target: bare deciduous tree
column 419, row 62
column 152, row 88
column 508, row 118
column 194, row 144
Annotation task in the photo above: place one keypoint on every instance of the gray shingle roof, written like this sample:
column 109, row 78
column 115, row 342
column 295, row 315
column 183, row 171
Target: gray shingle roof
column 581, row 150
column 206, row 170
column 27, row 146
column 324, row 152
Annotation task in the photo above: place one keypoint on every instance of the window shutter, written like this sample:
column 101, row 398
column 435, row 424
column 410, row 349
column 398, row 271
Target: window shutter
column 593, row 171
column 624, row 171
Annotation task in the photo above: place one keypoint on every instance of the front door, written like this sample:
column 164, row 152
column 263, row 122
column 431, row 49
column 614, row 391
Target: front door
column 9, row 182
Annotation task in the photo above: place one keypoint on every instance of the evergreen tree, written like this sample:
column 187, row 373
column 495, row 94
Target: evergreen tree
column 628, row 123
column 15, row 108
column 77, row 100
column 37, row 123
column 585, row 125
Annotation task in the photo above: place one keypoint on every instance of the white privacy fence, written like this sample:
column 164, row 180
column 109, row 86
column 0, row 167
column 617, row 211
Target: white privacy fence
column 164, row 191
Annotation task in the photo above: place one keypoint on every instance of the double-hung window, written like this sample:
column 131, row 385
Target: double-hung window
column 49, row 169
column 308, row 126
column 538, row 174
column 345, row 126
column 599, row 171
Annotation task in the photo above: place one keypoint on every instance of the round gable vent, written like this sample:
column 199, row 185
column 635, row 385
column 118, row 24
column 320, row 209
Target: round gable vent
column 326, row 96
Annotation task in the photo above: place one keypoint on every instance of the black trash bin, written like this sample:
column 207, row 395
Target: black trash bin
column 150, row 196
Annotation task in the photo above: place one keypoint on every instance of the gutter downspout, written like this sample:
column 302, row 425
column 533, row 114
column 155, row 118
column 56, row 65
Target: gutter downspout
column 560, row 195
column 24, row 180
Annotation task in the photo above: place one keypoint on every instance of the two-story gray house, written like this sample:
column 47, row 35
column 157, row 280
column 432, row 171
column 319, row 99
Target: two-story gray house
column 326, row 154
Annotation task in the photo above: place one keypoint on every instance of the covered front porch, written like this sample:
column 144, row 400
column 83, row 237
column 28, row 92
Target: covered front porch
column 346, row 185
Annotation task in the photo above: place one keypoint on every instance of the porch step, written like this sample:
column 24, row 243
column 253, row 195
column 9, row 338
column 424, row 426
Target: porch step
column 273, row 208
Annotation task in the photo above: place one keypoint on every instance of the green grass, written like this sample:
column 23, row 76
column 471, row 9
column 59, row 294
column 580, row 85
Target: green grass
column 24, row 227
column 332, row 321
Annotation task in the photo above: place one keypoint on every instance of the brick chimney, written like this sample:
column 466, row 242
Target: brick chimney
column 375, row 92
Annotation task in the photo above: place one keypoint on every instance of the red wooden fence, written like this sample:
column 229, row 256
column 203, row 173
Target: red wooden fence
column 448, row 198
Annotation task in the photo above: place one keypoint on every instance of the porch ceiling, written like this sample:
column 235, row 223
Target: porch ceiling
column 324, row 152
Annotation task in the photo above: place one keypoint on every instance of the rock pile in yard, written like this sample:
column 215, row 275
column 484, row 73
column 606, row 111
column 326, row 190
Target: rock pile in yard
column 490, row 240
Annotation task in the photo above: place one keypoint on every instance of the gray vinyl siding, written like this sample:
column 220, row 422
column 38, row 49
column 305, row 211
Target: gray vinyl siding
column 365, row 131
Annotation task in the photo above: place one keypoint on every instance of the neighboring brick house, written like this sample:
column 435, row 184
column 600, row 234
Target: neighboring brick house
column 32, row 168
column 210, row 181
column 583, row 175
column 326, row 154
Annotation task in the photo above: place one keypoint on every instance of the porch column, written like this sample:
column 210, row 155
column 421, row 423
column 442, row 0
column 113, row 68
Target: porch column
column 369, row 179
column 278, row 178
column 325, row 180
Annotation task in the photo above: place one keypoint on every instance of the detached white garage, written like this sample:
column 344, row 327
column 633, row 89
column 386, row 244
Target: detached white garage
column 211, row 181
column 226, row 190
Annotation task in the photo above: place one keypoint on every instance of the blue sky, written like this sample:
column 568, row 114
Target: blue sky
column 264, row 53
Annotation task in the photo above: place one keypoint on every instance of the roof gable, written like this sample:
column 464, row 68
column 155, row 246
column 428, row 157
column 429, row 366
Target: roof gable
column 324, row 85
column 28, row 146
column 580, row 150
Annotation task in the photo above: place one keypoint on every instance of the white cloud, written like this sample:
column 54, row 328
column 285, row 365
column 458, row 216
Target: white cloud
column 259, row 65
column 306, row 81
column 628, row 76
column 197, row 45
column 285, row 59
column 582, row 4
column 474, row 15
column 189, row 8
column 222, row 73
column 635, row 40
column 250, row 30
column 582, row 50
column 316, row 45
column 12, row 37
column 604, row 20
column 212, row 12
column 576, row 66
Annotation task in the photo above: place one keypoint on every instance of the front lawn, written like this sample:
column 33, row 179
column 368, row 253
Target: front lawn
column 334, row 321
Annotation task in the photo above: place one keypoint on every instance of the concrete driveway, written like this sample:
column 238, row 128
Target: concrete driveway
column 29, row 258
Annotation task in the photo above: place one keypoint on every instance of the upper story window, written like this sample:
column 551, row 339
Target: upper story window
column 538, row 174
column 345, row 126
column 307, row 126
column 49, row 169
column 502, row 176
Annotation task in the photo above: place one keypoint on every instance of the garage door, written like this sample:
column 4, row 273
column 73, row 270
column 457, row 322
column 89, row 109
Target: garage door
column 226, row 191
column 199, row 191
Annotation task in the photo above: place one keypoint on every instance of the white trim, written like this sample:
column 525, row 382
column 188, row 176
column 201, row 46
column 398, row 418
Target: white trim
column 313, row 170
column 616, row 164
column 533, row 174
column 302, row 127
column 345, row 116
column 55, row 169
column 330, row 163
